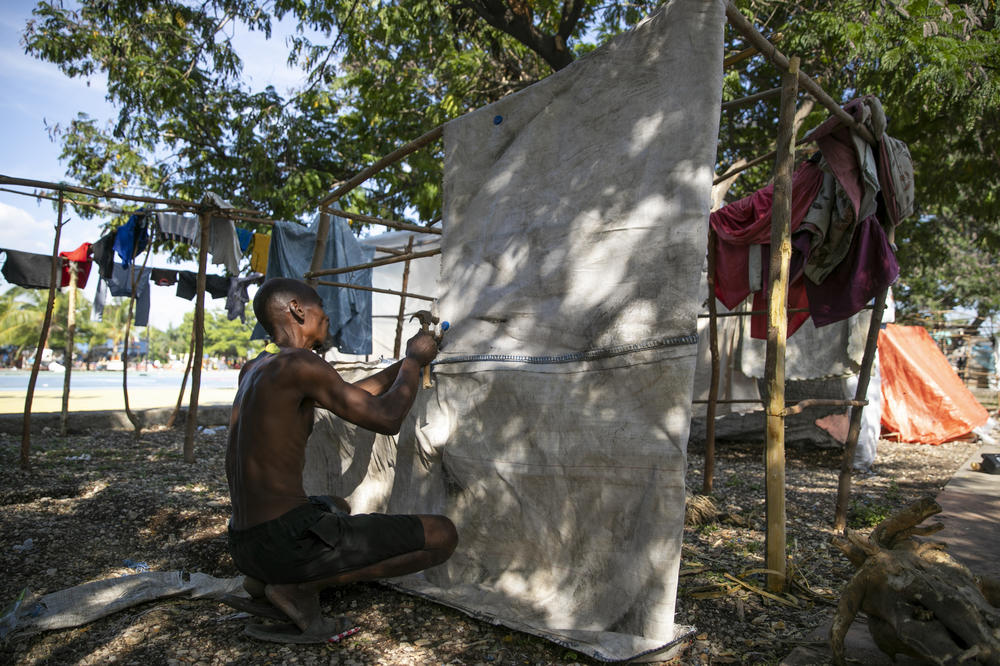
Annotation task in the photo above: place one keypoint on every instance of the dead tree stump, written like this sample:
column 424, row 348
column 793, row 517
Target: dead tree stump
column 919, row 601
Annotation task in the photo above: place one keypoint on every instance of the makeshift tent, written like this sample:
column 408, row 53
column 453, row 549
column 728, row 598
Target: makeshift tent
column 555, row 436
column 924, row 400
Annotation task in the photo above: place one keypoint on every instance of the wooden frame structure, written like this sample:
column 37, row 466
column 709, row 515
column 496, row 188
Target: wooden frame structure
column 793, row 79
column 205, row 213
column 776, row 409
column 774, row 377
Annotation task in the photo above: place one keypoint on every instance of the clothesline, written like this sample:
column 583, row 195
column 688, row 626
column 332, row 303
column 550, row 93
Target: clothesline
column 109, row 194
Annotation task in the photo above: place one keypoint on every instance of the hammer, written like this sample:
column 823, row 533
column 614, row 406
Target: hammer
column 426, row 319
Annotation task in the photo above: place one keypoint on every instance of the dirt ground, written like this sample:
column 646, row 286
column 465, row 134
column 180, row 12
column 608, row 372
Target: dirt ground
column 93, row 502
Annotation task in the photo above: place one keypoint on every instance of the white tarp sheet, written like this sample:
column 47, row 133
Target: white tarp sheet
column 555, row 437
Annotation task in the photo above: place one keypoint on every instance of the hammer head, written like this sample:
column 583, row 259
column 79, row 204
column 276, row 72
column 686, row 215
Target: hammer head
column 425, row 317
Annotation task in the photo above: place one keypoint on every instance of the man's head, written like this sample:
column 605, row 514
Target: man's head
column 283, row 305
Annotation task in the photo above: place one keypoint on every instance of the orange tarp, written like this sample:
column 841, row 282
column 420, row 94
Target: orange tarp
column 922, row 398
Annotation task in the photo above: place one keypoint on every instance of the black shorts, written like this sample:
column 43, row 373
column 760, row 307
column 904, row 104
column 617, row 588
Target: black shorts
column 316, row 541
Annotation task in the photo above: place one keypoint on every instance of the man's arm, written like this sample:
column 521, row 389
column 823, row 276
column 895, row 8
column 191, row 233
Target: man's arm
column 380, row 382
column 382, row 413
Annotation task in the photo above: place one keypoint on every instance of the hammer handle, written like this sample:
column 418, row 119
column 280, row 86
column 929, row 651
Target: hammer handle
column 427, row 376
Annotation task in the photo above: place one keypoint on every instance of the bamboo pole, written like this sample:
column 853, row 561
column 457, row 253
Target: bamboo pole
column 373, row 264
column 713, row 389
column 177, row 205
column 319, row 249
column 377, row 290
column 187, row 371
column 777, row 326
column 741, row 24
column 864, row 376
column 199, row 341
column 132, row 417
column 756, row 97
column 748, row 313
column 70, row 334
column 392, row 157
column 392, row 224
column 43, row 337
column 91, row 192
column 398, row 342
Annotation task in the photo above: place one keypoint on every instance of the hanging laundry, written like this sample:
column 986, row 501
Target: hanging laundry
column 851, row 161
column 258, row 253
column 120, row 284
column 28, row 269
column 179, row 228
column 246, row 237
column 187, row 284
column 81, row 256
column 349, row 310
column 163, row 277
column 895, row 173
column 237, row 298
column 747, row 223
column 100, row 299
column 103, row 253
column 131, row 238
column 216, row 286
column 224, row 244
column 868, row 268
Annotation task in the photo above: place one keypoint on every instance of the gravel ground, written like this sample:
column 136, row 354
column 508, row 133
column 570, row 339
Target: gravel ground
column 91, row 502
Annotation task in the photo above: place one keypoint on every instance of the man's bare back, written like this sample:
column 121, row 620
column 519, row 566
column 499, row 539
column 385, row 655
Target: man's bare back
column 290, row 545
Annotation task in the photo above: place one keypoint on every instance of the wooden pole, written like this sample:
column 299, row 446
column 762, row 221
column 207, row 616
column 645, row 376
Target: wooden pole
column 373, row 264
column 322, row 238
column 70, row 334
column 740, row 22
column 749, row 99
column 199, row 341
column 713, row 389
column 392, row 224
column 392, row 157
column 397, row 344
column 851, row 445
column 377, row 290
column 187, row 371
column 777, row 327
column 43, row 337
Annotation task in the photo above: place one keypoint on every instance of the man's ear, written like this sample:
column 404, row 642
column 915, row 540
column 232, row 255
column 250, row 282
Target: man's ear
column 294, row 309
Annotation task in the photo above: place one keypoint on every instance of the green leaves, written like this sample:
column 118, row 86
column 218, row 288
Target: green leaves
column 378, row 74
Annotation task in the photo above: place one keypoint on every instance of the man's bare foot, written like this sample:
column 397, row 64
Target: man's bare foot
column 301, row 605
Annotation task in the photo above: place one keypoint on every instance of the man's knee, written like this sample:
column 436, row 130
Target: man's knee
column 440, row 535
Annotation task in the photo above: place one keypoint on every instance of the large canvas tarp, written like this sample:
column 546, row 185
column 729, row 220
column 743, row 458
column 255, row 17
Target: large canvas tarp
column 555, row 437
column 923, row 400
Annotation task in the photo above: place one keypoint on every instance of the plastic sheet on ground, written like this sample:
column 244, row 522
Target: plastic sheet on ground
column 76, row 606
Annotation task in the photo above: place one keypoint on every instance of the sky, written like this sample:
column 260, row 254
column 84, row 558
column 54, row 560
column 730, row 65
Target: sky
column 37, row 94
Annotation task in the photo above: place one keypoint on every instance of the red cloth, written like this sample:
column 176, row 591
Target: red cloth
column 748, row 222
column 81, row 256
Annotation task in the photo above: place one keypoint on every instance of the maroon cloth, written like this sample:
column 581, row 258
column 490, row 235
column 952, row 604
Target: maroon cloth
column 834, row 140
column 869, row 267
column 81, row 256
column 748, row 222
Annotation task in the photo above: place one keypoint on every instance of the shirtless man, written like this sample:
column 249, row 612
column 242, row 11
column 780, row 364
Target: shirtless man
column 288, row 545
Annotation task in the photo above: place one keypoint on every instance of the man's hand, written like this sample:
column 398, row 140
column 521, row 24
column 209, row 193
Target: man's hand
column 422, row 348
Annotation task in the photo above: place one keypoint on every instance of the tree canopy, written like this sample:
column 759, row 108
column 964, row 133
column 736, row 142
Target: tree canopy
column 379, row 74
